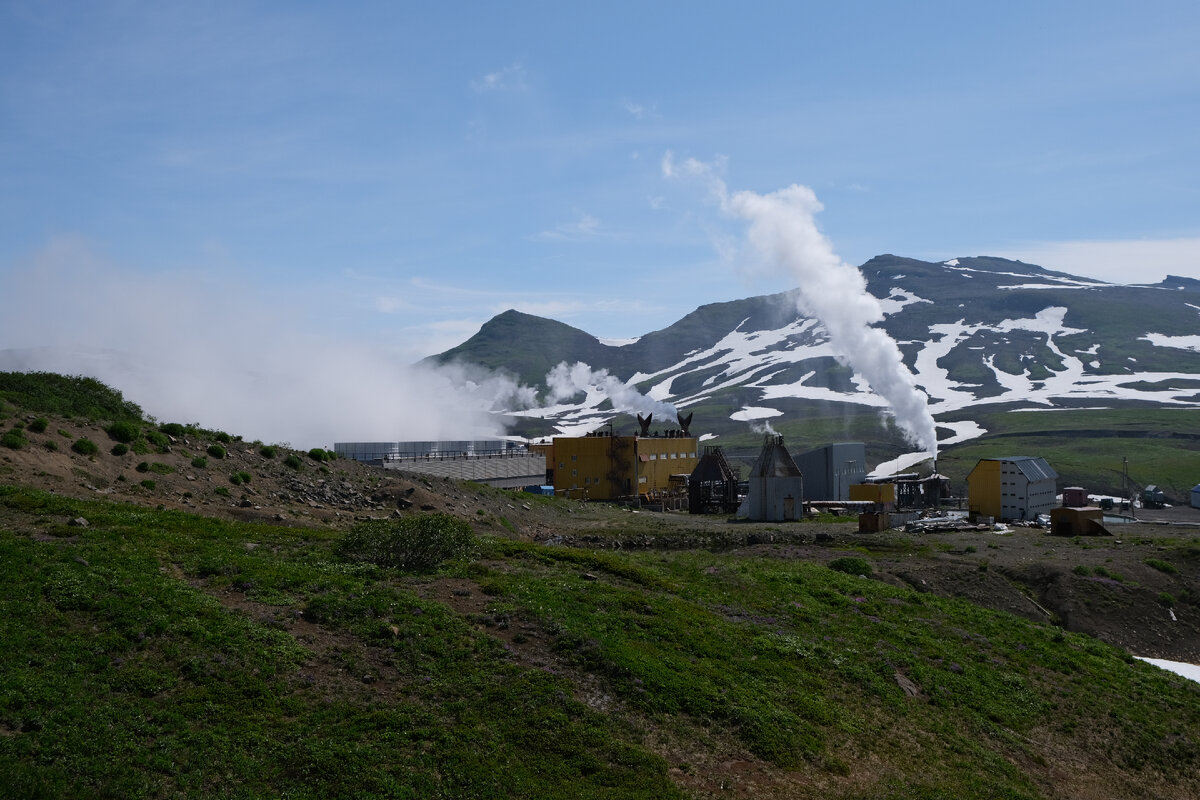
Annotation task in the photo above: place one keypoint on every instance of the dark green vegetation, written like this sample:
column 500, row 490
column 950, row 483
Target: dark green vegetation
column 411, row 543
column 121, row 675
column 158, row 654
column 49, row 393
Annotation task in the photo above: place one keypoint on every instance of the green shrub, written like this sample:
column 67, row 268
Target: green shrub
column 410, row 543
column 39, row 425
column 172, row 429
column 67, row 396
column 1166, row 599
column 293, row 461
column 266, row 451
column 14, row 439
column 851, row 565
column 123, row 431
column 148, row 483
column 119, row 449
column 221, row 490
column 50, row 445
column 159, row 440
column 1162, row 566
column 143, row 467
column 1080, row 569
column 317, row 454
column 85, row 446
column 238, row 478
column 161, row 469
column 216, row 451
column 199, row 462
column 222, row 437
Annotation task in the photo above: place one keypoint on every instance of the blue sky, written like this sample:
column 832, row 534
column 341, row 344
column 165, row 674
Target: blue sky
column 399, row 173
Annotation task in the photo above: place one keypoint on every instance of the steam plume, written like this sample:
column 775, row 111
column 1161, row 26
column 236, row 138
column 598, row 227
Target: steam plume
column 784, row 233
column 565, row 381
column 194, row 347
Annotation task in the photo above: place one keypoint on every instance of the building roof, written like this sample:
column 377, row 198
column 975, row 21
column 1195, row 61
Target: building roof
column 774, row 461
column 1035, row 468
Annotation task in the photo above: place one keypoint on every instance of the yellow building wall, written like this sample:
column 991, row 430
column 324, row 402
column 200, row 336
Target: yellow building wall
column 608, row 467
column 659, row 459
column 983, row 489
column 873, row 492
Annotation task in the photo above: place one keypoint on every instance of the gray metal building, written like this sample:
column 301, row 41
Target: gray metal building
column 830, row 471
column 496, row 462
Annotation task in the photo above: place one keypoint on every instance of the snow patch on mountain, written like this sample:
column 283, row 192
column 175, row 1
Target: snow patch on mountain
column 751, row 413
column 898, row 298
column 1178, row 342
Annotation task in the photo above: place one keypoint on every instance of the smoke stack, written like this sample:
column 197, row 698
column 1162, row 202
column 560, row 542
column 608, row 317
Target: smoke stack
column 644, row 422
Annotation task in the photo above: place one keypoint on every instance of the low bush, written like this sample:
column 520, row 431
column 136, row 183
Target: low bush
column 216, row 451
column 39, row 425
column 85, row 446
column 172, row 429
column 851, row 565
column 238, row 478
column 411, row 543
column 266, row 451
column 50, row 445
column 159, row 440
column 317, row 454
column 1162, row 566
column 119, row 449
column 222, row 437
column 1167, row 599
column 143, row 467
column 13, row 439
column 293, row 461
column 199, row 462
column 148, row 484
column 123, row 431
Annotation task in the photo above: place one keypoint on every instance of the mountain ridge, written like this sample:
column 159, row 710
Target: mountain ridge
column 978, row 331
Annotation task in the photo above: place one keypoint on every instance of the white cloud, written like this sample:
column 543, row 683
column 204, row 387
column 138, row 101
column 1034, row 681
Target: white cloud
column 585, row 227
column 511, row 78
column 1115, row 260
column 639, row 110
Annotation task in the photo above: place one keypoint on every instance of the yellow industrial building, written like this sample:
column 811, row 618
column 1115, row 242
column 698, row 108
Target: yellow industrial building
column 1014, row 488
column 606, row 467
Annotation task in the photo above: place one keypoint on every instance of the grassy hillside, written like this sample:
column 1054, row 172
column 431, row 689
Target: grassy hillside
column 496, row 646
column 158, row 654
column 1087, row 447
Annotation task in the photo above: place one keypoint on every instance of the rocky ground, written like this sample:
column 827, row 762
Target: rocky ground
column 1113, row 587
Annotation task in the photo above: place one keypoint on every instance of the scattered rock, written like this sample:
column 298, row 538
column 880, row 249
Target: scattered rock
column 79, row 522
column 910, row 688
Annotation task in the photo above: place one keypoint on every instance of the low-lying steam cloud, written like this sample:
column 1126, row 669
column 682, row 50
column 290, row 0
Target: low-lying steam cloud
column 783, row 232
column 565, row 381
column 192, row 347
